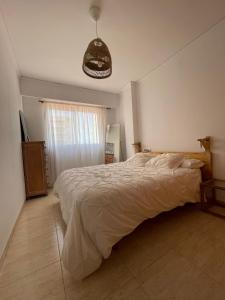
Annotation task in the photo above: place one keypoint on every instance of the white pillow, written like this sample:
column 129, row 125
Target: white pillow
column 192, row 163
column 138, row 160
column 166, row 161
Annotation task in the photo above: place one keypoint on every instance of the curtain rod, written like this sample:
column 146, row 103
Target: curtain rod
column 72, row 103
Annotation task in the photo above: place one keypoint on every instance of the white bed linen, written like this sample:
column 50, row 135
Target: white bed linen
column 102, row 204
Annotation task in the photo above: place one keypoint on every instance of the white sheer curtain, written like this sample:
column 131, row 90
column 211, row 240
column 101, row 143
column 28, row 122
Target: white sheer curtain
column 75, row 136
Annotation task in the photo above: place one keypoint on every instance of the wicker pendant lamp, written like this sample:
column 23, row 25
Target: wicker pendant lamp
column 97, row 62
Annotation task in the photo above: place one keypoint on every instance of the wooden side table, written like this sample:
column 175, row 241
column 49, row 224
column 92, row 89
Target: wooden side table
column 208, row 196
column 109, row 158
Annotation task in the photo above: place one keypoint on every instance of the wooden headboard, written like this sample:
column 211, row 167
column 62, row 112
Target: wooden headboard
column 205, row 156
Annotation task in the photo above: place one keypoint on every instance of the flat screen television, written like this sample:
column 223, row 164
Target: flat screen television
column 23, row 127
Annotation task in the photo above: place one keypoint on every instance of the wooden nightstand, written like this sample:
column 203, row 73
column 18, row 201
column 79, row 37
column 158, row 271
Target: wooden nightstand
column 209, row 202
column 109, row 158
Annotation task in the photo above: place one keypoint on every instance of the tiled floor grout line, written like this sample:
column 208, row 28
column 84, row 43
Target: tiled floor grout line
column 199, row 268
column 212, row 278
column 63, row 281
column 155, row 260
column 60, row 261
column 150, row 264
column 173, row 248
column 36, row 237
column 133, row 277
column 33, row 272
column 38, row 269
column 143, row 290
column 200, row 227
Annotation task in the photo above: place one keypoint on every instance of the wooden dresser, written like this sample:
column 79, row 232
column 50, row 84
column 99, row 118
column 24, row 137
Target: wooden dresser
column 34, row 165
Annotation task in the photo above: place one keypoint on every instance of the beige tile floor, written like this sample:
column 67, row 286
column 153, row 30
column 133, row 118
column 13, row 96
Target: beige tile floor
column 177, row 255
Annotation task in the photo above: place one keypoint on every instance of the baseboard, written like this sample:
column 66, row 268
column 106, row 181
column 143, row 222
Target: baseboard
column 2, row 257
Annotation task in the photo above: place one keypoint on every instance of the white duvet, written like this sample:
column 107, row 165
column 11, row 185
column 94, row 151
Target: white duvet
column 102, row 204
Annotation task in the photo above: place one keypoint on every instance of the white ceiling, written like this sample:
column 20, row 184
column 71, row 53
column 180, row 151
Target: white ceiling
column 50, row 36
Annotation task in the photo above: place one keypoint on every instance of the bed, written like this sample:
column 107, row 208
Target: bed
column 102, row 204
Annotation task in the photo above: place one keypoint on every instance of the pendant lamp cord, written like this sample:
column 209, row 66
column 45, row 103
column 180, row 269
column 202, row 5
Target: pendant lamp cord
column 96, row 28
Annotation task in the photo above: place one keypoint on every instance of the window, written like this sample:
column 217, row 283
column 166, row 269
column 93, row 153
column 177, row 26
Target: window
column 75, row 136
column 75, row 127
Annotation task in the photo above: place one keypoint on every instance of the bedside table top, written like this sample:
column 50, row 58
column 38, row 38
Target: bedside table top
column 219, row 184
column 215, row 183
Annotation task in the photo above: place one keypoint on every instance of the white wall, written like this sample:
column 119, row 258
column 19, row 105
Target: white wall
column 184, row 99
column 33, row 110
column 11, row 172
column 46, row 89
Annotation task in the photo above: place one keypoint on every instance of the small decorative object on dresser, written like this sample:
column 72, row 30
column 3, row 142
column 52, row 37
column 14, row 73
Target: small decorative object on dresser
column 34, row 168
column 210, row 191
